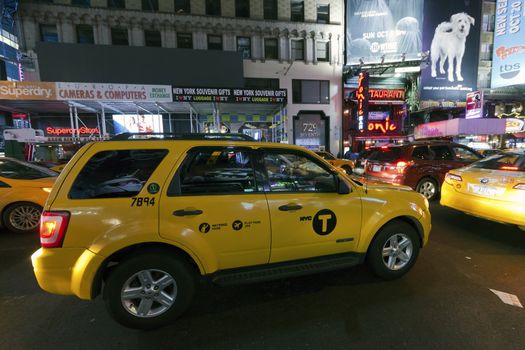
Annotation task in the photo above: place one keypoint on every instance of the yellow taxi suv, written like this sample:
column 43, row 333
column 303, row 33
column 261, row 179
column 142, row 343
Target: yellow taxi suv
column 492, row 188
column 139, row 221
column 24, row 188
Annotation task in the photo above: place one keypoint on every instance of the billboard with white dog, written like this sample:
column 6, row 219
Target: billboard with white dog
column 508, row 60
column 383, row 31
column 451, row 36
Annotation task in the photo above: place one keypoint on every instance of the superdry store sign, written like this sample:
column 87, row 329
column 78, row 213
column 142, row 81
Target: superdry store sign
column 508, row 60
column 229, row 95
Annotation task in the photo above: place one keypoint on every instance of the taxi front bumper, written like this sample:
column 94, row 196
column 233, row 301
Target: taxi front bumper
column 66, row 271
column 488, row 208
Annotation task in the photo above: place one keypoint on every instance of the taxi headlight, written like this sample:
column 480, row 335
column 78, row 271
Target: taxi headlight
column 519, row 187
column 47, row 189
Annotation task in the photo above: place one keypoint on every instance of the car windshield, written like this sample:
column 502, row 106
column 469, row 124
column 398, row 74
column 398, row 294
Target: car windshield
column 17, row 170
column 385, row 154
column 508, row 161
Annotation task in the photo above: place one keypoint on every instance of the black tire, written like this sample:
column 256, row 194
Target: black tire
column 184, row 289
column 22, row 217
column 429, row 188
column 378, row 263
column 348, row 169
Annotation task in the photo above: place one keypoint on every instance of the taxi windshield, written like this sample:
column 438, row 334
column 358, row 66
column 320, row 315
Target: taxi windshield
column 508, row 161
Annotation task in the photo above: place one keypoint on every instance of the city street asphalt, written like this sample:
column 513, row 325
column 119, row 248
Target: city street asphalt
column 445, row 302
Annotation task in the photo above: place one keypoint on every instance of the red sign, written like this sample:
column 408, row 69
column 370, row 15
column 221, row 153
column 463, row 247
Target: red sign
column 387, row 94
column 68, row 131
column 362, row 95
column 382, row 126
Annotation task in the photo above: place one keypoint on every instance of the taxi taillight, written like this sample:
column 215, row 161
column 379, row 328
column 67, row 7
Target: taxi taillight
column 53, row 226
column 451, row 178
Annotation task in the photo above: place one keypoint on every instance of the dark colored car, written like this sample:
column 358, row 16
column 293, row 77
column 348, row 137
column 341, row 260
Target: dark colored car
column 420, row 165
column 359, row 167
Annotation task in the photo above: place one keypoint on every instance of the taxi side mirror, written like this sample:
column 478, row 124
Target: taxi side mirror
column 342, row 186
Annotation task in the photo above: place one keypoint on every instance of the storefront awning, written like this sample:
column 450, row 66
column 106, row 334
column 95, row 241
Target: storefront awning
column 456, row 127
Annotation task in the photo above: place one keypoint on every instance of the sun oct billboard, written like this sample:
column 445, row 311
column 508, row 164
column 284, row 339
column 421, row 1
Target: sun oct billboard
column 383, row 30
column 508, row 59
column 451, row 36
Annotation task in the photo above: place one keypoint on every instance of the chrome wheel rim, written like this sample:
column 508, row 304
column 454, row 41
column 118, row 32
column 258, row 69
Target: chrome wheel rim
column 397, row 251
column 427, row 189
column 149, row 293
column 25, row 218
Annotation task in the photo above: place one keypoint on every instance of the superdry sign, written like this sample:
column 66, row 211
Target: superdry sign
column 27, row 91
column 227, row 95
column 68, row 131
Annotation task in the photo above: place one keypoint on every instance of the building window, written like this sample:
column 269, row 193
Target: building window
column 119, row 36
column 85, row 34
column 244, row 45
column 117, row 4
column 214, row 42
column 150, row 5
column 49, row 33
column 182, row 6
column 323, row 13
column 213, row 7
column 261, row 83
column 322, row 51
column 311, row 91
column 271, row 51
column 297, row 50
column 242, row 8
column 270, row 9
column 184, row 41
column 152, row 38
column 81, row 3
column 297, row 8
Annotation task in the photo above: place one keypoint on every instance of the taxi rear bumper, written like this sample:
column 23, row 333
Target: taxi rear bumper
column 492, row 209
column 66, row 271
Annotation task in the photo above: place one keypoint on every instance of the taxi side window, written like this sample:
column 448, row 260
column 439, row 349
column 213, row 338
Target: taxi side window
column 464, row 155
column 293, row 172
column 221, row 171
column 118, row 173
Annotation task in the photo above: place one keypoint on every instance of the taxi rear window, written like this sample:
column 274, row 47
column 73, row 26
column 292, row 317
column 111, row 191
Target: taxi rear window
column 513, row 162
column 118, row 173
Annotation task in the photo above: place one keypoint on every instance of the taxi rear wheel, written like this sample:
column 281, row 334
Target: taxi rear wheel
column 149, row 290
column 394, row 250
column 22, row 217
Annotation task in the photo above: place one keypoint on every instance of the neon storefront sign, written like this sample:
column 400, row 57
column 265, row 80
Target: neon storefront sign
column 382, row 126
column 68, row 131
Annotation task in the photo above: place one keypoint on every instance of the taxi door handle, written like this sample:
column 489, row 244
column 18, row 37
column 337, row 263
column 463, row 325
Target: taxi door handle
column 183, row 212
column 289, row 207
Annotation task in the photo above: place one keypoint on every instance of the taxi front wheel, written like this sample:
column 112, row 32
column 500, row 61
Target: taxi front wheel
column 149, row 290
column 394, row 250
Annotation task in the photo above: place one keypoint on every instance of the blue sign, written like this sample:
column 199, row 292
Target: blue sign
column 508, row 60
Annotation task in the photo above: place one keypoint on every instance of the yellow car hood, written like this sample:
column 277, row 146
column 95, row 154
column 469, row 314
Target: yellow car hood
column 38, row 183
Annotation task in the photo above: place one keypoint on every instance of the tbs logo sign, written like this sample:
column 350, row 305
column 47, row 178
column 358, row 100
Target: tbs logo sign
column 509, row 71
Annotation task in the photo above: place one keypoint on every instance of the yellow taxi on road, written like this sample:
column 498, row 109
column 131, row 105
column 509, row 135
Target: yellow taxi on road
column 345, row 164
column 140, row 220
column 492, row 188
column 24, row 188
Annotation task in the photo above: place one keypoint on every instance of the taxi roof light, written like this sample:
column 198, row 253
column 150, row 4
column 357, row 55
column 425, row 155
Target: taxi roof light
column 53, row 227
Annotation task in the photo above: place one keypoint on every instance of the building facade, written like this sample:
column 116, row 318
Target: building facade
column 290, row 44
